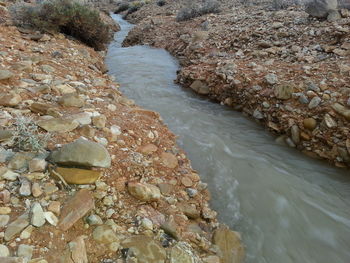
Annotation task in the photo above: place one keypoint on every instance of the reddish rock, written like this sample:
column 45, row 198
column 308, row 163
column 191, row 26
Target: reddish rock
column 10, row 100
column 81, row 203
column 148, row 149
column 169, row 160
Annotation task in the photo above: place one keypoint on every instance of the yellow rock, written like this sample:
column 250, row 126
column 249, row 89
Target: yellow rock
column 229, row 244
column 76, row 175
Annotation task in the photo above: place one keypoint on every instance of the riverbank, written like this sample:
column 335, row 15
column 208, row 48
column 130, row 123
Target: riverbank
column 129, row 183
column 288, row 72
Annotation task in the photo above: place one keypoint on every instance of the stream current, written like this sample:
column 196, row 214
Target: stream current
column 289, row 208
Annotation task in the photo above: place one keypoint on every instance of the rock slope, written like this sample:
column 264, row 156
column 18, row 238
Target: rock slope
column 85, row 174
column 286, row 70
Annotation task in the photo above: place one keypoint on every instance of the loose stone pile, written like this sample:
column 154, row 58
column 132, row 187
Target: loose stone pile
column 110, row 184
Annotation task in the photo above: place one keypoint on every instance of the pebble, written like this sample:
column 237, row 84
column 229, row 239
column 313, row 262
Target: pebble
column 104, row 234
column 25, row 189
column 4, row 219
column 310, row 123
column 186, row 181
column 4, row 251
column 9, row 175
column 37, row 165
column 26, row 233
column 36, row 190
column 143, row 191
column 99, row 121
column 25, row 251
column 271, row 78
column 5, row 196
column 258, row 115
column 330, row 123
column 295, row 134
column 266, row 105
column 51, row 218
column 147, row 224
column 5, row 210
column 315, row 101
column 37, row 215
column 6, row 74
column 94, row 220
column 55, row 207
column 312, row 86
column 303, row 99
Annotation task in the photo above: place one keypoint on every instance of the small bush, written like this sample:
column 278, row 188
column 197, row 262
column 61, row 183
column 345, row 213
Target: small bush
column 71, row 18
column 187, row 13
column 122, row 7
column 135, row 6
column 210, row 7
column 161, row 3
column 26, row 136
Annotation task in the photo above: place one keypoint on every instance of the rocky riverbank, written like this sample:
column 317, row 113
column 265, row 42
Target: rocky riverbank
column 282, row 68
column 85, row 174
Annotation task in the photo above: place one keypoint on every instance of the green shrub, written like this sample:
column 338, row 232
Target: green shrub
column 135, row 6
column 187, row 13
column 68, row 17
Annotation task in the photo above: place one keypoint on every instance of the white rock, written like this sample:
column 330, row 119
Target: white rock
column 38, row 217
column 4, row 251
column 51, row 218
column 147, row 224
column 9, row 175
column 26, row 233
column 25, row 251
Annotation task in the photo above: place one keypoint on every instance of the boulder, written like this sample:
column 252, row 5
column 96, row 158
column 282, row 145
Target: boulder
column 82, row 153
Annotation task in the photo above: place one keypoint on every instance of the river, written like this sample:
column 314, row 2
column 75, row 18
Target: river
column 288, row 207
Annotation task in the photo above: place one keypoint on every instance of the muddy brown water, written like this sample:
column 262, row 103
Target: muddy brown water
column 288, row 207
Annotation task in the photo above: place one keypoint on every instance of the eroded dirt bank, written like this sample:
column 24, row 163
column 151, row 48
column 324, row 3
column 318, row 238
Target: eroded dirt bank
column 132, row 194
column 287, row 71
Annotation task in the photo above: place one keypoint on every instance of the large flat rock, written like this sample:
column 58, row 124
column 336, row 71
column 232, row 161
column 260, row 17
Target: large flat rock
column 77, row 207
column 82, row 153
